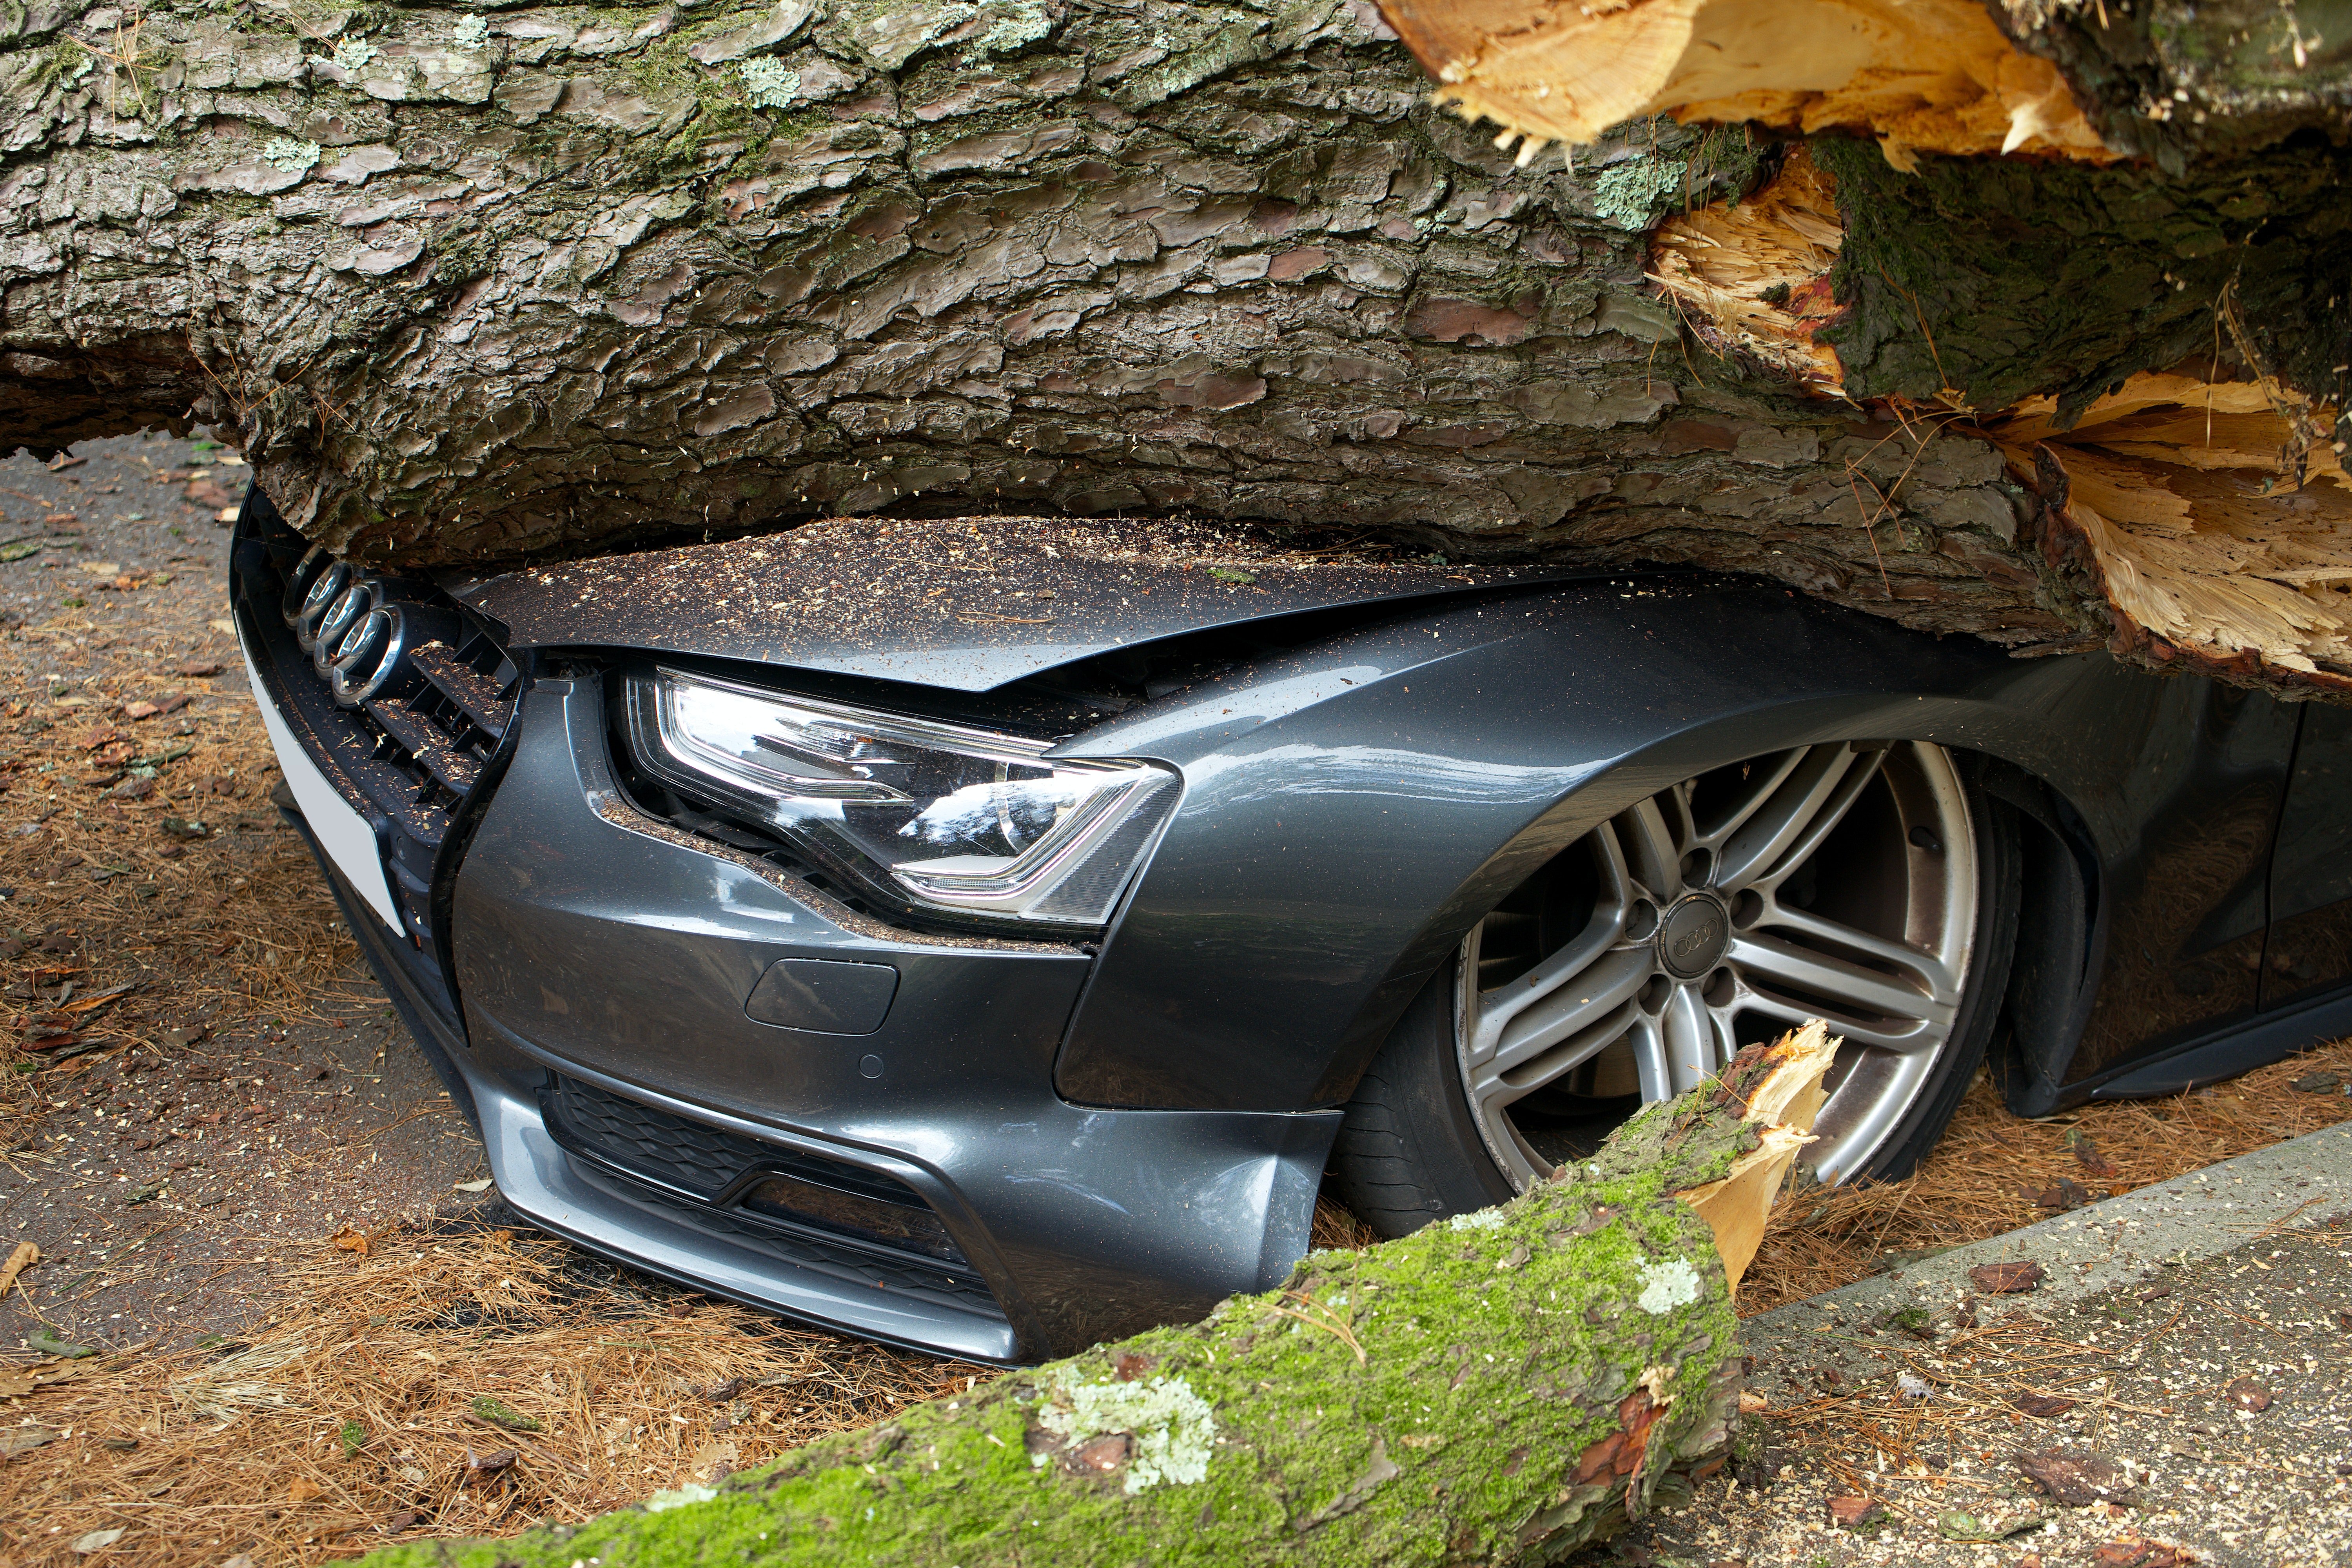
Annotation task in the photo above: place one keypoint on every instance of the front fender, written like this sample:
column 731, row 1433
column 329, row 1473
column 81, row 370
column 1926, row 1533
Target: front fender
column 1353, row 807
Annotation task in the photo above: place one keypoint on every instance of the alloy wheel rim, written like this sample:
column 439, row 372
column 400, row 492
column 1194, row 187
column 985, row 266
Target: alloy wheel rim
column 1836, row 882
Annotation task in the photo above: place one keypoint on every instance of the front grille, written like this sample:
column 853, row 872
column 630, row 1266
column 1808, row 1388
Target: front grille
column 778, row 1189
column 409, row 756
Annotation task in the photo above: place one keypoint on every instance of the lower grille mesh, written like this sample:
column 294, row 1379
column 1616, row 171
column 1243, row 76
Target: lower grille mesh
column 690, row 1160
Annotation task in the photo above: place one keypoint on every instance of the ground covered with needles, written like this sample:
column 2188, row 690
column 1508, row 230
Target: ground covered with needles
column 1994, row 1172
column 460, row 1378
column 250, row 1197
column 306, row 1336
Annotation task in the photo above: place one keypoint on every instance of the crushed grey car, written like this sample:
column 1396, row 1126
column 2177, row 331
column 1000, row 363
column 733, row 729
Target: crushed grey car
column 990, row 935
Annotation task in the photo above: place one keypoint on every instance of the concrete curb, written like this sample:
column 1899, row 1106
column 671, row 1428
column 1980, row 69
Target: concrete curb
column 2106, row 1246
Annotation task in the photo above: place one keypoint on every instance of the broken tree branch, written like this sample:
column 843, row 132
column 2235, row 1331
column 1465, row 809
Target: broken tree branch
column 1496, row 1388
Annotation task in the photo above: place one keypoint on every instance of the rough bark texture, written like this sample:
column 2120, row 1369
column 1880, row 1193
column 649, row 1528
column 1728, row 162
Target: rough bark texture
column 2001, row 280
column 471, row 286
column 573, row 284
column 1497, row 1389
column 2178, row 82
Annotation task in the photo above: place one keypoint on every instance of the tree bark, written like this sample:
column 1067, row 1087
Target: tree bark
column 1498, row 1389
column 472, row 286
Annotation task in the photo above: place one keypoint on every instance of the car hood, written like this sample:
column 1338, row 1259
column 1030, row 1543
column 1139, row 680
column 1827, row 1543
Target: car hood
column 965, row 603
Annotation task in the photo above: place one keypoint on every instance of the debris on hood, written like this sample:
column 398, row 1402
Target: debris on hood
column 964, row 602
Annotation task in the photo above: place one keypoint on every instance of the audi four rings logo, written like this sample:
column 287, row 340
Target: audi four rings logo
column 357, row 637
column 1693, row 941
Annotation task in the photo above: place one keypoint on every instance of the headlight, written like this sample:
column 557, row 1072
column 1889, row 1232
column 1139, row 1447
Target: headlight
column 927, row 813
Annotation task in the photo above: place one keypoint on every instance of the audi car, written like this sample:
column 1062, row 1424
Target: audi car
column 991, row 935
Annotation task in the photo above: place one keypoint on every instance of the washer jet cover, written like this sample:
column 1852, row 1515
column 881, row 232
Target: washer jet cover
column 1693, row 937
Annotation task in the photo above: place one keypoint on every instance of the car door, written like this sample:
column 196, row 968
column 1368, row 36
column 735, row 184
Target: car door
column 2310, row 947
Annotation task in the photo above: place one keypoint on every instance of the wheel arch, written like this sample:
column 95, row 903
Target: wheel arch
column 2061, row 907
column 1274, row 941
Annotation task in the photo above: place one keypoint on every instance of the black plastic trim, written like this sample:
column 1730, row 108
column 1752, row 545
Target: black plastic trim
column 2244, row 1047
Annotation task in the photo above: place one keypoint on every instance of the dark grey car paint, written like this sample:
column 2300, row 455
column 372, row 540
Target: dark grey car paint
column 1352, row 810
column 1120, row 1139
column 597, row 945
column 825, row 996
column 965, row 606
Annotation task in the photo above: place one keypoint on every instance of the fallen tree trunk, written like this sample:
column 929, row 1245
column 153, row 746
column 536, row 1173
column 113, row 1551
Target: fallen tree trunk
column 467, row 285
column 1498, row 1389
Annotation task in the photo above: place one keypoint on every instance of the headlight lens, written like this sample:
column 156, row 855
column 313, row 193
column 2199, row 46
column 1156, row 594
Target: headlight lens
column 940, row 815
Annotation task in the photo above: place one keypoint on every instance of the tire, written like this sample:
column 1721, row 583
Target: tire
column 1644, row 956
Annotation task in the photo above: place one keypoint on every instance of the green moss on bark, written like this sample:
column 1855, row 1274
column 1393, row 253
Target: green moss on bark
column 1462, row 1394
column 2005, row 279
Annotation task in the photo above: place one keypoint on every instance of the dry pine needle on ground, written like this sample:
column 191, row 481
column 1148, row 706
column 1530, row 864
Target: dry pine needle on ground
column 466, row 1380
column 1994, row 1172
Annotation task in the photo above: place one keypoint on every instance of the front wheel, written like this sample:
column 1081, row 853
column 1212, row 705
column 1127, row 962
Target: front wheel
column 1861, row 883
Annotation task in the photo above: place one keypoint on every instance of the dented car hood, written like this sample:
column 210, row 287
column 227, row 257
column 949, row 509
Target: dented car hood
column 967, row 604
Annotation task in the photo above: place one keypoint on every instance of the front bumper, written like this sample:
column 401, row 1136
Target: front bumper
column 604, row 946
column 602, row 956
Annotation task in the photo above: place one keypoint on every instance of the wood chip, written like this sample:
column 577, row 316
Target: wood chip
column 2249, row 1396
column 2074, row 1478
column 483, row 1468
column 2060, row 1197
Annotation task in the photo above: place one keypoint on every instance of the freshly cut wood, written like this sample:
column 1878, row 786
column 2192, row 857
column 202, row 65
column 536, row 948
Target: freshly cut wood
column 2206, row 524
column 1752, row 277
column 1923, row 75
column 1783, row 1103
column 1498, row 1388
column 2215, row 519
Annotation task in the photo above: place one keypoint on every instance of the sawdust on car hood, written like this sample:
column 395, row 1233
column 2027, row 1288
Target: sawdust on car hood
column 967, row 604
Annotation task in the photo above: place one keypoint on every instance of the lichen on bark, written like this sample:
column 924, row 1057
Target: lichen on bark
column 562, row 279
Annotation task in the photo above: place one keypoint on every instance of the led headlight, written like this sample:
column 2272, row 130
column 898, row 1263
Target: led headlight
column 940, row 816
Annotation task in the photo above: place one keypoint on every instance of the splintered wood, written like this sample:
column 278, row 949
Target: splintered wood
column 1923, row 75
column 1753, row 277
column 1783, row 1104
column 2213, row 519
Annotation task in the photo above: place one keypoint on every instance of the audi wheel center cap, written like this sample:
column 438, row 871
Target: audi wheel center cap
column 1693, row 937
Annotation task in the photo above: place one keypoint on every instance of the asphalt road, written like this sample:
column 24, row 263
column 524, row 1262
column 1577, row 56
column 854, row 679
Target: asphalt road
column 2186, row 1351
